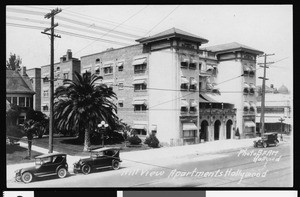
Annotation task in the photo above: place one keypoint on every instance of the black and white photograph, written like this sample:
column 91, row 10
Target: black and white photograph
column 149, row 96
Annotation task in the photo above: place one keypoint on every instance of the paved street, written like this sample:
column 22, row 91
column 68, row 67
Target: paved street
column 239, row 167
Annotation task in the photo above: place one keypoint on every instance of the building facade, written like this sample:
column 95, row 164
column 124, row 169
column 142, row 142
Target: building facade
column 237, row 82
column 159, row 82
column 35, row 78
column 278, row 111
column 64, row 69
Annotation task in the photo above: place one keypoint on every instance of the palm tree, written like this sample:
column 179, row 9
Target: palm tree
column 82, row 104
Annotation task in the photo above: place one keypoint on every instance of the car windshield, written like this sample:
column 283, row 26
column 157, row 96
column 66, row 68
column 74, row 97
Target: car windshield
column 41, row 161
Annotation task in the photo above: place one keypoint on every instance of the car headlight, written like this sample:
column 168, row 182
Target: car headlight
column 18, row 171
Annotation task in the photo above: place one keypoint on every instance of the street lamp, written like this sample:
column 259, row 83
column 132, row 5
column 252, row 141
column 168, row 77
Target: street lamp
column 102, row 127
column 281, row 120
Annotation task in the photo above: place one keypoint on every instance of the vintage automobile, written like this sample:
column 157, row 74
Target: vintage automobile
column 100, row 158
column 266, row 140
column 45, row 165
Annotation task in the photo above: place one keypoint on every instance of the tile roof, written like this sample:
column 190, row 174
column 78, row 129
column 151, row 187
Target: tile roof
column 173, row 32
column 231, row 46
column 15, row 83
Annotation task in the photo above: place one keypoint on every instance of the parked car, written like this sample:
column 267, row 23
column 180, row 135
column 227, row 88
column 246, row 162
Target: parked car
column 100, row 158
column 266, row 140
column 45, row 165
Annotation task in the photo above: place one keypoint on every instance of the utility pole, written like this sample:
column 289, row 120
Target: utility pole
column 262, row 114
column 51, row 120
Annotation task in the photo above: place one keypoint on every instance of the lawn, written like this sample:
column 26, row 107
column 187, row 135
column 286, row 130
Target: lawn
column 17, row 154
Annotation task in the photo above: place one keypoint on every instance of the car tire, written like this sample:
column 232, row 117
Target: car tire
column 265, row 145
column 255, row 145
column 115, row 164
column 27, row 177
column 86, row 169
column 62, row 172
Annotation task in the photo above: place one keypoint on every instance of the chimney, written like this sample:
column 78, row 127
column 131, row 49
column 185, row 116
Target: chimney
column 69, row 54
column 23, row 71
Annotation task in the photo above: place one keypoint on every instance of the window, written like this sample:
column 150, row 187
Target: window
column 108, row 70
column 66, row 75
column 31, row 101
column 97, row 70
column 58, row 68
column 46, row 93
column 200, row 66
column 140, row 108
column 246, row 89
column 193, row 106
column 97, row 60
column 215, row 71
column 121, row 86
column 184, row 83
column 193, row 65
column 184, row 106
column 15, row 100
column 120, row 68
column 139, row 87
column 251, row 73
column 189, row 133
column 184, row 64
column 140, row 131
column 141, row 68
column 45, row 79
column 21, row 119
column 200, row 85
column 121, row 104
column 28, row 102
column 193, row 84
column 45, row 108
column 22, row 101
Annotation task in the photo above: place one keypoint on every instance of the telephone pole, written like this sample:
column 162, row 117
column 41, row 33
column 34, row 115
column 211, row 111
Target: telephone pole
column 51, row 120
column 262, row 113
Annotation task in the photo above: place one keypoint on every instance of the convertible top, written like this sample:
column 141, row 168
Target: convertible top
column 104, row 149
column 50, row 155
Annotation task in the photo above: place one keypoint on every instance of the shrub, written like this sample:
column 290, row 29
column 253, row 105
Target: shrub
column 14, row 133
column 134, row 140
column 152, row 141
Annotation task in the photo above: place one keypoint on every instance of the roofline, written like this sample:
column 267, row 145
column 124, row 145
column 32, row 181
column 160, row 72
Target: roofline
column 73, row 59
column 19, row 92
column 173, row 35
column 237, row 49
column 49, row 154
column 110, row 50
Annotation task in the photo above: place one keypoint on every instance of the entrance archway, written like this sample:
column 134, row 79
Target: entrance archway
column 228, row 129
column 217, row 130
column 204, row 130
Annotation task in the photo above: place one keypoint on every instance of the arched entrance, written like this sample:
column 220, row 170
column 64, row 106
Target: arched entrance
column 228, row 129
column 204, row 130
column 217, row 130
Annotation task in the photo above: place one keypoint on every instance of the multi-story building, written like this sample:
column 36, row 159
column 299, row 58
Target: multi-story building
column 19, row 91
column 278, row 107
column 157, row 83
column 64, row 69
column 237, row 81
column 35, row 78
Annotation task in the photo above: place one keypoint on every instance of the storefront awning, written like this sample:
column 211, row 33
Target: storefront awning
column 139, row 81
column 246, row 68
column 189, row 126
column 45, row 104
column 153, row 127
column 246, row 85
column 140, row 126
column 184, row 103
column 139, row 61
column 208, row 98
column 97, row 68
column 249, row 124
column 45, row 75
column 139, row 102
column 252, row 86
column 194, row 82
column 184, row 80
column 106, row 65
column 120, row 64
column 194, row 104
column 246, row 104
column 209, row 67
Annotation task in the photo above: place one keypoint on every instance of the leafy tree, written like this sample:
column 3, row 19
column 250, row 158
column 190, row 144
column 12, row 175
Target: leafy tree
column 40, row 118
column 81, row 105
column 13, row 62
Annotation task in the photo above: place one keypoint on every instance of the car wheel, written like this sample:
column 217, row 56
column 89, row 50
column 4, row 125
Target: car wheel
column 27, row 177
column 265, row 145
column 86, row 169
column 62, row 172
column 115, row 165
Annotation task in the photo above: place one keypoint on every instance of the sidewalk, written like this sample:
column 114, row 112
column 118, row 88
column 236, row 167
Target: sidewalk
column 159, row 155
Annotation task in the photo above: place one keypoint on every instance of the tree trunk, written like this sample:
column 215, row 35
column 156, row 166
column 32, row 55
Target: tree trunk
column 87, row 140
column 81, row 136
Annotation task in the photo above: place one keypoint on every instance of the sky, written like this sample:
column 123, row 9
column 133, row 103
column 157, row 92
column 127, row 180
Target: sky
column 88, row 29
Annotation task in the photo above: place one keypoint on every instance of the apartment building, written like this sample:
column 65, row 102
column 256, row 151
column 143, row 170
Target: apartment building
column 157, row 83
column 64, row 69
column 237, row 66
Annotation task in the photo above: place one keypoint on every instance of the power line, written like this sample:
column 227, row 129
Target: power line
column 114, row 28
column 161, row 20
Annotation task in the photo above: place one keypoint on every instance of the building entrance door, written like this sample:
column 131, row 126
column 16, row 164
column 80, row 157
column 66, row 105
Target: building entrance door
column 228, row 129
column 217, row 130
column 204, row 131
